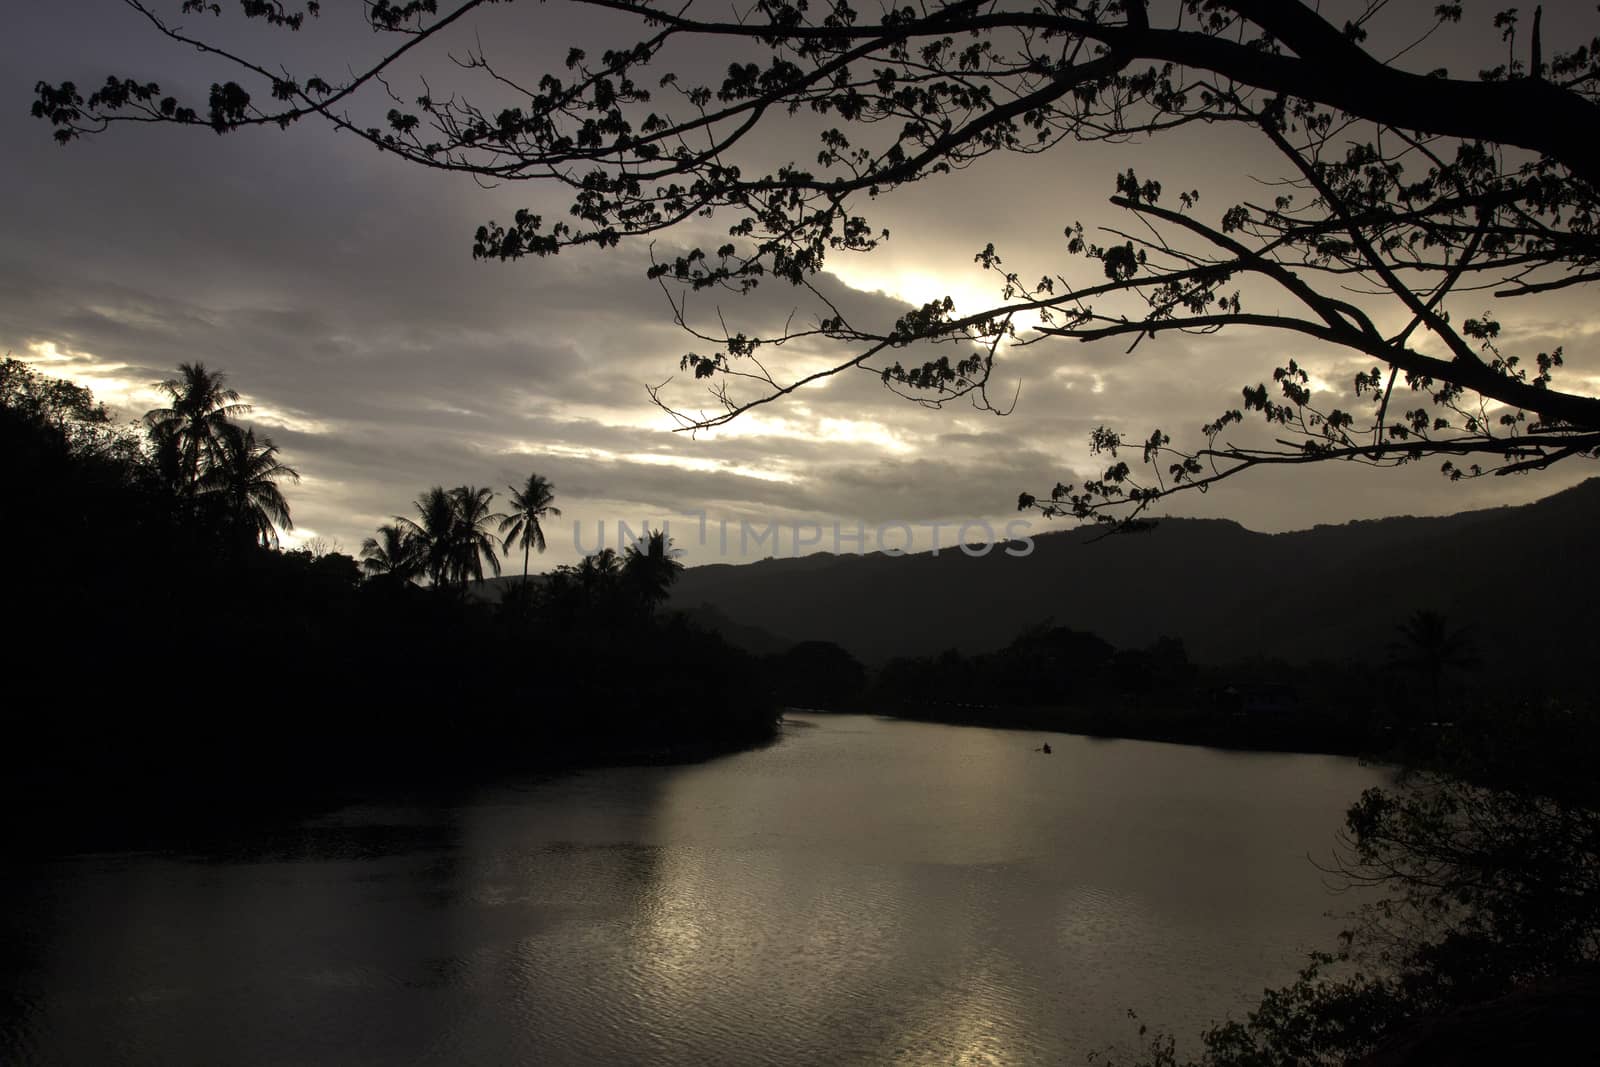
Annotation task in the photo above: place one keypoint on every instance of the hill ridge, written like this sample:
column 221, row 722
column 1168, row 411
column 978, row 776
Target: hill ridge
column 1328, row 591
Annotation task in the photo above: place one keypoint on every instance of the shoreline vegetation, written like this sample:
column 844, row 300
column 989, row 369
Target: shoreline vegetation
column 170, row 643
column 1174, row 726
column 1053, row 678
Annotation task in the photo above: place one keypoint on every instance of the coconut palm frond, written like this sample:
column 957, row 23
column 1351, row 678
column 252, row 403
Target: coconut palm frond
column 395, row 552
column 195, row 425
column 471, row 542
column 533, row 502
column 244, row 476
column 649, row 567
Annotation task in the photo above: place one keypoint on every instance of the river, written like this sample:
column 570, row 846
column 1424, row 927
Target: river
column 862, row 891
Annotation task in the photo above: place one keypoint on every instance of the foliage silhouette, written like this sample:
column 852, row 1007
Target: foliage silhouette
column 596, row 578
column 449, row 536
column 1487, row 928
column 218, row 466
column 471, row 542
column 191, row 433
column 245, row 476
column 391, row 554
column 649, row 567
column 532, row 503
column 316, row 642
column 1400, row 188
column 606, row 587
column 432, row 534
column 57, row 407
column 819, row 675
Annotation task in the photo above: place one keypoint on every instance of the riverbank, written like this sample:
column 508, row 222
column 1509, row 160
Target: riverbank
column 124, row 797
column 1244, row 731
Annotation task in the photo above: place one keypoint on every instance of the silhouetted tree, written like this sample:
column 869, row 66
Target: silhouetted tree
column 191, row 433
column 818, row 674
column 1398, row 186
column 471, row 542
column 70, row 411
column 245, row 476
column 327, row 574
column 449, row 536
column 584, row 592
column 1050, row 664
column 1431, row 646
column 597, row 573
column 320, row 545
column 530, row 504
column 70, row 479
column 649, row 568
column 519, row 602
column 432, row 534
column 391, row 553
column 1488, row 887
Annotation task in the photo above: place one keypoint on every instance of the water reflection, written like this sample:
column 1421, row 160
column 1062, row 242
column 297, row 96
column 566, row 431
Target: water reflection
column 866, row 891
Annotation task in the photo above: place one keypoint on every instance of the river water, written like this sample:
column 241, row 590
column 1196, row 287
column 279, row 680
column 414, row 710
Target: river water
column 862, row 891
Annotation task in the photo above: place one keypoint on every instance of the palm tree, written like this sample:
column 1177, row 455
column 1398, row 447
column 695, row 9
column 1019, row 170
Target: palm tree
column 597, row 574
column 649, row 567
column 471, row 543
column 532, row 502
column 430, row 538
column 190, row 432
column 391, row 553
column 591, row 589
column 244, row 474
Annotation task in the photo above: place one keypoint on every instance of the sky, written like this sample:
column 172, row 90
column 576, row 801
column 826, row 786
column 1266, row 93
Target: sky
column 335, row 287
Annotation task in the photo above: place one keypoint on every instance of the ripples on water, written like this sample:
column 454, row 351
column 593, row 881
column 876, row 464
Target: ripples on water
column 865, row 891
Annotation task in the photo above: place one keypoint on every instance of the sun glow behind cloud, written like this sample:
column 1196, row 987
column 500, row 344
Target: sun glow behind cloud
column 297, row 538
column 806, row 425
column 114, row 387
column 661, row 459
column 971, row 291
column 106, row 379
column 710, row 466
column 132, row 397
column 297, row 421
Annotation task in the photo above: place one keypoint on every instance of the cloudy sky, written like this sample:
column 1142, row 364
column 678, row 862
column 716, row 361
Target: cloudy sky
column 336, row 289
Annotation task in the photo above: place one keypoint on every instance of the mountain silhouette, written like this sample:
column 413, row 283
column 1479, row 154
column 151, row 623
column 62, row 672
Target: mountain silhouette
column 1523, row 577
